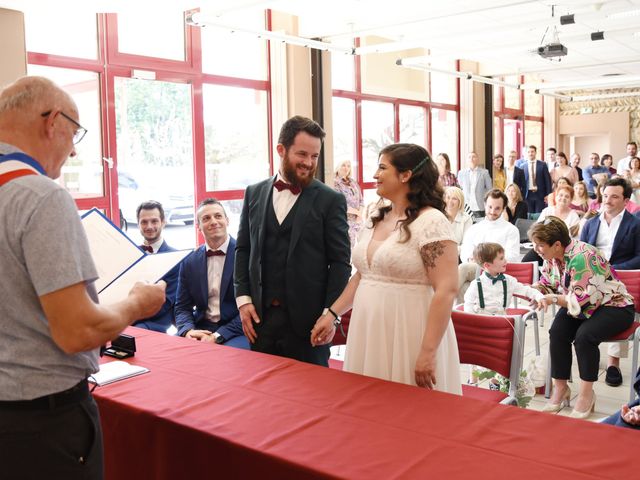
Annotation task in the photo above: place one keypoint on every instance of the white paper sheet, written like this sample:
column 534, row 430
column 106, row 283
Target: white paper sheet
column 112, row 251
column 150, row 269
column 119, row 261
column 114, row 371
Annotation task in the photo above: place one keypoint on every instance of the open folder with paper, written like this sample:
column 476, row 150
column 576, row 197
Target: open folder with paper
column 119, row 261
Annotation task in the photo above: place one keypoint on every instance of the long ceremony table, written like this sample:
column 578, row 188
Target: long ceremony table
column 209, row 411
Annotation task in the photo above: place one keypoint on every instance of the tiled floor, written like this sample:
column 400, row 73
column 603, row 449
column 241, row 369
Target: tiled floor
column 609, row 399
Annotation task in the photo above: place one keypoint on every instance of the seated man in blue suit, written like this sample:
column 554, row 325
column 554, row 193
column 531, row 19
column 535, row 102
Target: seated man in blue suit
column 151, row 222
column 206, row 304
column 629, row 415
column 617, row 234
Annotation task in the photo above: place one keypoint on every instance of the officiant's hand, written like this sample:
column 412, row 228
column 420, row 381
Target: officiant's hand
column 426, row 369
column 201, row 335
column 248, row 315
column 148, row 297
column 323, row 331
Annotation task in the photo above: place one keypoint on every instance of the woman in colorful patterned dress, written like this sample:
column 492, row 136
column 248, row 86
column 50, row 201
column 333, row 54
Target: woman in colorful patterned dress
column 349, row 187
column 593, row 305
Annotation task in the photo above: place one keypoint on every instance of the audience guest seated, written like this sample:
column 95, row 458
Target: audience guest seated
column 494, row 228
column 513, row 173
column 624, row 163
column 616, row 233
column 537, row 181
column 595, row 204
column 447, row 179
column 493, row 289
column 593, row 306
column 575, row 162
column 348, row 186
column 405, row 282
column 475, row 183
column 454, row 209
column 607, row 161
column 633, row 177
column 561, row 182
column 629, row 415
column 516, row 207
column 564, row 170
column 151, row 222
column 580, row 202
column 499, row 175
column 563, row 210
column 206, row 305
column 595, row 174
column 551, row 159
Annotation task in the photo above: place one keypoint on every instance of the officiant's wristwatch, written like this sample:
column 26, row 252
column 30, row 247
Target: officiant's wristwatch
column 336, row 318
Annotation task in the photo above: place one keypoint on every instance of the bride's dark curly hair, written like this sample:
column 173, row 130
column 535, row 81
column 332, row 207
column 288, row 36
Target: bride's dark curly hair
column 424, row 188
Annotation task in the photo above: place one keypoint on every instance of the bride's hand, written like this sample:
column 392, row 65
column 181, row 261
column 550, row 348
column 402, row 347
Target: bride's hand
column 426, row 369
column 323, row 331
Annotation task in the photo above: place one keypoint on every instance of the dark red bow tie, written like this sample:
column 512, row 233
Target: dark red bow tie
column 280, row 185
column 147, row 248
column 215, row 253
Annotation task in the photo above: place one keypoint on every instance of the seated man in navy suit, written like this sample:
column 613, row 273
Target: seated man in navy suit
column 151, row 221
column 206, row 305
column 617, row 234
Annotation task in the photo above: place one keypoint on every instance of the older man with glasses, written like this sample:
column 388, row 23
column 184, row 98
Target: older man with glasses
column 51, row 324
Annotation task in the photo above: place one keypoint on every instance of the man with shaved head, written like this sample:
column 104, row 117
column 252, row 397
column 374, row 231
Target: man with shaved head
column 51, row 324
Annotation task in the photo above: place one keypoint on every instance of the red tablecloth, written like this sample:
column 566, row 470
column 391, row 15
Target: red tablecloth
column 208, row 411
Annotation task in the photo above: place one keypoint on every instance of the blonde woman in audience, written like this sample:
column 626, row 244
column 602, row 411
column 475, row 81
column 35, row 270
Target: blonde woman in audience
column 580, row 202
column 564, row 170
column 498, row 173
column 516, row 206
column 454, row 209
column 447, row 179
column 348, row 186
column 562, row 209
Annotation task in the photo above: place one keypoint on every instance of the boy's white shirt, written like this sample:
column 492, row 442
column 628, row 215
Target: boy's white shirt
column 494, row 295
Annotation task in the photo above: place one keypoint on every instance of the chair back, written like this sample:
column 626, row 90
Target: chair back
column 523, row 225
column 631, row 280
column 491, row 341
column 524, row 272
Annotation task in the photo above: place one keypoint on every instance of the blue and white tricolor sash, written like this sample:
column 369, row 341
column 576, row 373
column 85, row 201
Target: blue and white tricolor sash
column 16, row 165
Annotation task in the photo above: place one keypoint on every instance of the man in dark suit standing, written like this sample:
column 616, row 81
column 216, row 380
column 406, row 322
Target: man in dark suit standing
column 293, row 250
column 151, row 222
column 616, row 233
column 537, row 181
column 205, row 304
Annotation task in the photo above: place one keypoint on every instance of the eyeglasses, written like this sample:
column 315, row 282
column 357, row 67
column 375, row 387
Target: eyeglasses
column 79, row 133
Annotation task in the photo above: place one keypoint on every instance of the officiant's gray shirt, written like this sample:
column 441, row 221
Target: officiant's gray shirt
column 43, row 248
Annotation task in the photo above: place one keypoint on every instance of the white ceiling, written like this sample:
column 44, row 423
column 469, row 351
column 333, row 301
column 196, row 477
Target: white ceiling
column 499, row 34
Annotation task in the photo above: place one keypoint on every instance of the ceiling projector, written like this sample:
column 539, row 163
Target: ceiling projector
column 552, row 50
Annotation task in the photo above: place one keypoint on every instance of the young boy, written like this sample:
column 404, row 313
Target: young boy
column 493, row 291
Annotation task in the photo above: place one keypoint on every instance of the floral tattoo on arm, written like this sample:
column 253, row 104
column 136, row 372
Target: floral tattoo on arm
column 430, row 252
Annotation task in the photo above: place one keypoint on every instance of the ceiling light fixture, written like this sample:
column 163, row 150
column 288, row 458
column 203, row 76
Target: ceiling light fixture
column 595, row 36
column 626, row 14
column 196, row 19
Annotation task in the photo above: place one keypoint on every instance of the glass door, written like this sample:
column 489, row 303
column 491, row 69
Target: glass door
column 155, row 158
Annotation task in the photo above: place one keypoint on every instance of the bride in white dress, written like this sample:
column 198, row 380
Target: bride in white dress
column 406, row 281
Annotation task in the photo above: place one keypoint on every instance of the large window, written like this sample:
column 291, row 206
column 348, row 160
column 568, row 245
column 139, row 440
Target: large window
column 82, row 175
column 236, row 143
column 365, row 120
column 176, row 115
column 518, row 118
